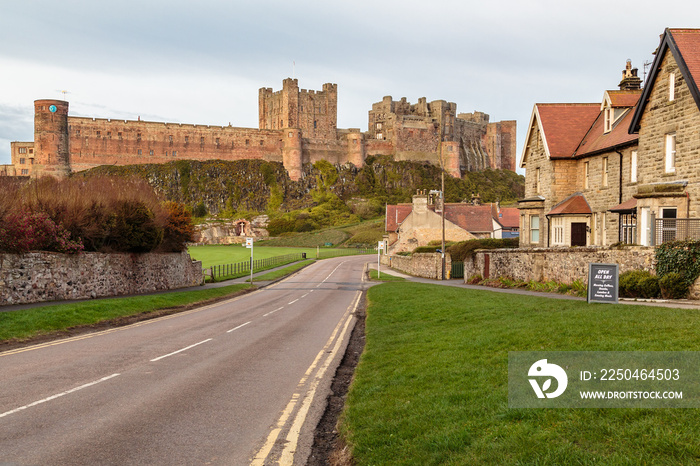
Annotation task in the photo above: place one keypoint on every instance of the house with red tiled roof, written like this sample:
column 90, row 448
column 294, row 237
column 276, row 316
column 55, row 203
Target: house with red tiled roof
column 577, row 157
column 417, row 224
column 628, row 172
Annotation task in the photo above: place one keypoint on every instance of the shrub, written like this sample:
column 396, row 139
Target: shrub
column 200, row 210
column 639, row 284
column 465, row 249
column 132, row 228
column 682, row 257
column 178, row 229
column 673, row 286
column 367, row 237
column 22, row 232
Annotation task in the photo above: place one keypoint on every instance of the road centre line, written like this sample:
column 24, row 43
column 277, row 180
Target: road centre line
column 304, row 295
column 293, row 301
column 272, row 312
column 242, row 325
column 58, row 395
column 180, row 350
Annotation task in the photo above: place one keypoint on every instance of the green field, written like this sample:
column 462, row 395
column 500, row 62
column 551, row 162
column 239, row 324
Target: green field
column 228, row 254
column 431, row 386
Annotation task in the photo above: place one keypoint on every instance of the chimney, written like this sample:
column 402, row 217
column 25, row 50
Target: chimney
column 630, row 80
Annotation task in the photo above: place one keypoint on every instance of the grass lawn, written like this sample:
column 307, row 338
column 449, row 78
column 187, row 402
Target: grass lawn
column 41, row 320
column 384, row 277
column 229, row 254
column 282, row 272
column 432, row 384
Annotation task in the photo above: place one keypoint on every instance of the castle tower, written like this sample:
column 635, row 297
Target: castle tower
column 51, row 138
column 450, row 156
column 356, row 148
column 291, row 152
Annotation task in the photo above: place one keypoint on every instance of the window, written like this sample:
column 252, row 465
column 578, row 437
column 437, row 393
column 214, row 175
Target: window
column 671, row 153
column 633, row 167
column 77, row 133
column 31, row 151
column 170, row 139
column 22, row 161
column 119, row 134
column 608, row 113
column 380, row 136
column 534, row 229
column 261, row 142
column 201, row 140
column 668, row 224
column 25, row 171
column 379, row 126
column 671, row 87
column 150, row 152
column 187, row 139
column 537, row 180
column 291, row 134
column 314, row 124
column 174, row 153
column 247, row 142
column 585, row 175
column 109, row 134
column 218, row 141
column 558, row 230
column 139, row 152
column 605, row 171
column 22, row 150
column 98, row 132
column 138, row 137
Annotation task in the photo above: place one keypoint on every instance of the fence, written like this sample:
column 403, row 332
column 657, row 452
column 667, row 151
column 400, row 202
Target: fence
column 457, row 270
column 217, row 272
column 674, row 229
column 326, row 253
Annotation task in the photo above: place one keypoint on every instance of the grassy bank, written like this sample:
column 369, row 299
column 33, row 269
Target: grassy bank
column 274, row 275
column 229, row 254
column 431, row 386
column 41, row 320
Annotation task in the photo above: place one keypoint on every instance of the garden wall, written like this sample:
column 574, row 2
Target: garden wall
column 425, row 264
column 45, row 276
column 564, row 265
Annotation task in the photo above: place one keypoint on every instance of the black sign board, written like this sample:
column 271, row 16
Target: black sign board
column 603, row 283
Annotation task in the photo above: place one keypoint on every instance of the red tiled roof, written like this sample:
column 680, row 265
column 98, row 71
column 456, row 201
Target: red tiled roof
column 574, row 204
column 473, row 218
column 597, row 140
column 396, row 214
column 688, row 42
column 564, row 125
column 509, row 217
column 624, row 98
column 629, row 204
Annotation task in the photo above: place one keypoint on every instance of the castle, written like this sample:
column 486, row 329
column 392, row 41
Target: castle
column 296, row 126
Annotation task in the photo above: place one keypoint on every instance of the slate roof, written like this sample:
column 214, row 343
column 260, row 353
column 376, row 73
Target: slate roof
column 574, row 204
column 684, row 44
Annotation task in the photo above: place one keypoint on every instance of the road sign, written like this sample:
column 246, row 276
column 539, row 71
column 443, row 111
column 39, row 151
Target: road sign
column 249, row 243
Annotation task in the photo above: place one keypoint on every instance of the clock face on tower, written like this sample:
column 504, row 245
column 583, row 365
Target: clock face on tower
column 52, row 109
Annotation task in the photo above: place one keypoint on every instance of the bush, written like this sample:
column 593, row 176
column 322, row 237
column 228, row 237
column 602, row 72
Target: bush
column 22, row 232
column 465, row 249
column 178, row 229
column 132, row 228
column 639, row 284
column 673, row 286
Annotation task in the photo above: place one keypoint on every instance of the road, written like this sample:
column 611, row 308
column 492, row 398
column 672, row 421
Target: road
column 238, row 382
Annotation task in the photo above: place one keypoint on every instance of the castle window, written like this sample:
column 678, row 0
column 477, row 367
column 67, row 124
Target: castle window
column 201, row 140
column 170, row 139
column 98, row 132
column 291, row 134
column 670, row 152
column 138, row 152
column 174, row 153
column 77, row 132
column 314, row 124
column 261, row 142
column 138, row 137
column 22, row 150
column 281, row 123
column 187, row 139
column 22, row 161
column 671, row 87
column 380, row 136
column 379, row 126
column 150, row 152
column 218, row 141
column 25, row 171
column 31, row 151
column 119, row 134
column 247, row 142
column 109, row 134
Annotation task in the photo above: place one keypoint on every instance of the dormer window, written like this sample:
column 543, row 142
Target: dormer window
column 608, row 113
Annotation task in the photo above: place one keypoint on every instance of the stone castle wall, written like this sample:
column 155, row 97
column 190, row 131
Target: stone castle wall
column 45, row 276
column 425, row 264
column 564, row 265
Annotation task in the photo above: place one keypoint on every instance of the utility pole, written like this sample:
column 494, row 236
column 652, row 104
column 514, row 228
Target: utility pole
column 442, row 196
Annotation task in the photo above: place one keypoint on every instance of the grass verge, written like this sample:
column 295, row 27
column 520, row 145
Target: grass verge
column 384, row 277
column 23, row 324
column 431, row 386
column 282, row 272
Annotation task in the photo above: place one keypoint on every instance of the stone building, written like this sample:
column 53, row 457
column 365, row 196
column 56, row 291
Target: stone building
column 623, row 170
column 412, row 225
column 296, row 126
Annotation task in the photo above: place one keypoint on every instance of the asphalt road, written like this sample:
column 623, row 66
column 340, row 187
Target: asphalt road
column 239, row 382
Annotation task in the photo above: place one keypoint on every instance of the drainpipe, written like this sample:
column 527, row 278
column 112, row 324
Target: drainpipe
column 549, row 232
column 620, row 202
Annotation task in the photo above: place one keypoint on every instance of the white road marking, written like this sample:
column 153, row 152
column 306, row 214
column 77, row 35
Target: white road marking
column 304, row 295
column 180, row 350
column 242, row 325
column 53, row 397
column 272, row 312
column 293, row 302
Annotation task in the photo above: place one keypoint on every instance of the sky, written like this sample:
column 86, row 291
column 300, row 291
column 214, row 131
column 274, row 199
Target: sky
column 203, row 62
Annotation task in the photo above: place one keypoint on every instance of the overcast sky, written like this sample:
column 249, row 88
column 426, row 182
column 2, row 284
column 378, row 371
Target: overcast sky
column 203, row 62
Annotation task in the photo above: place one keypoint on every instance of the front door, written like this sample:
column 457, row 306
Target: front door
column 578, row 234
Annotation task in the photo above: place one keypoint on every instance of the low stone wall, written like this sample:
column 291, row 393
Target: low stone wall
column 425, row 264
column 564, row 265
column 46, row 276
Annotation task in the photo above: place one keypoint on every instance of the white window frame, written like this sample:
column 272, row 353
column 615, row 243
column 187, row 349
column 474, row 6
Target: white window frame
column 670, row 153
column 671, row 87
column 534, row 229
column 605, row 171
column 558, row 231
column 538, row 185
column 608, row 113
column 633, row 167
column 585, row 175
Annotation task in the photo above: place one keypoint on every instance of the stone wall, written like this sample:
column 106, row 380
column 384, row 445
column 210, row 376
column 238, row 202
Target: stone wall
column 45, row 276
column 426, row 265
column 564, row 265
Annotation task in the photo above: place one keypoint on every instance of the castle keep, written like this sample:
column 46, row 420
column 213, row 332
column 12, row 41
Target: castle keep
column 296, row 126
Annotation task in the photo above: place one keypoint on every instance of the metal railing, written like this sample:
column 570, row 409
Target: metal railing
column 674, row 229
column 217, row 272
